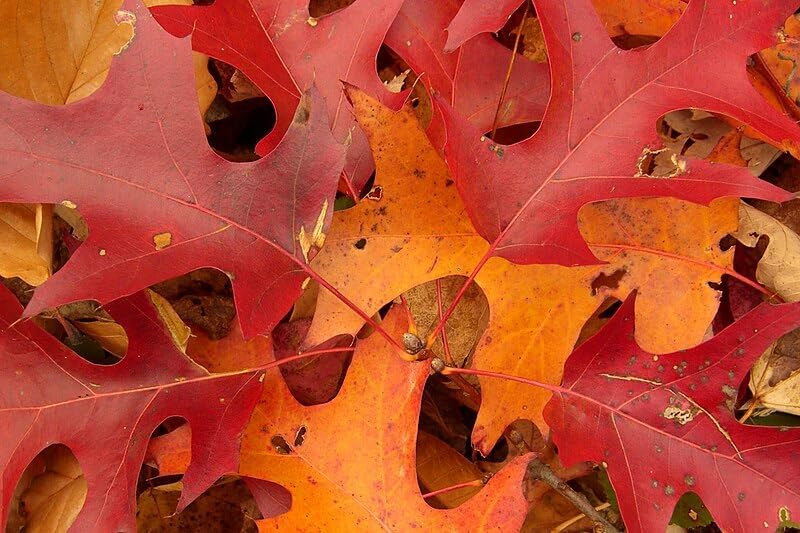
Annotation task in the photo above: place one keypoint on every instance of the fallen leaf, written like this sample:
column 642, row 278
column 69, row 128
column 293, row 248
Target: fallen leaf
column 376, row 488
column 162, row 179
column 53, row 493
column 418, row 231
column 440, row 466
column 664, row 425
column 26, row 231
column 275, row 46
column 106, row 414
column 779, row 267
column 524, row 198
column 59, row 51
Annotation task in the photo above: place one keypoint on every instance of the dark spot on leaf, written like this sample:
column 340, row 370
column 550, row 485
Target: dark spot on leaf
column 360, row 243
column 448, row 182
column 303, row 112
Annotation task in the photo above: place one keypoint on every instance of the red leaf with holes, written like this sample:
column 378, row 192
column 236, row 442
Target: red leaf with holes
column 471, row 78
column 600, row 120
column 106, row 415
column 263, row 37
column 159, row 202
column 664, row 424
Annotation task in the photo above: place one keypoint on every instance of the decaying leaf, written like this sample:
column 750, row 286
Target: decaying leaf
column 779, row 268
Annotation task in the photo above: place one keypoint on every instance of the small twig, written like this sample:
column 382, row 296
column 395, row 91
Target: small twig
column 508, row 71
column 749, row 412
column 564, row 525
column 539, row 470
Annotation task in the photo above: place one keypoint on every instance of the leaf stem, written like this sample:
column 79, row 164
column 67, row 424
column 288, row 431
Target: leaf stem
column 473, row 483
column 449, row 370
column 508, row 71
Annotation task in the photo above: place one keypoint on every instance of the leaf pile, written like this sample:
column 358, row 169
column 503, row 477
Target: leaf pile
column 412, row 265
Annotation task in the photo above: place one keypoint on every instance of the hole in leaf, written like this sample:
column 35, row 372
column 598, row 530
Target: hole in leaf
column 690, row 512
column 467, row 323
column 300, row 437
column 398, row 76
column 280, row 445
column 89, row 331
column 203, row 299
column 169, row 451
column 633, row 26
column 598, row 319
column 231, row 504
column 314, row 380
column 320, row 8
column 727, row 242
column 696, row 133
column 531, row 42
column 610, row 281
column 508, row 135
column 769, row 393
column 50, row 492
column 239, row 116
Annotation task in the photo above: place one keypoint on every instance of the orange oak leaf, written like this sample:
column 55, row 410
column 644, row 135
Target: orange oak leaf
column 419, row 231
column 353, row 460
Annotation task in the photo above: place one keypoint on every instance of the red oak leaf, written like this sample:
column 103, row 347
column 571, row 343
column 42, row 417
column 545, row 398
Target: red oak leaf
column 261, row 37
column 470, row 79
column 600, row 121
column 159, row 202
column 106, row 415
column 664, row 424
column 473, row 18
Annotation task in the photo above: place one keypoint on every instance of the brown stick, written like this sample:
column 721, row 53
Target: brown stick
column 539, row 470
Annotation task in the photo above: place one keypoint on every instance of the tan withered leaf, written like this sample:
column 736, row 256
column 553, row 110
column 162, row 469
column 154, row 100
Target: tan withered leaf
column 416, row 230
column 50, row 493
column 779, row 268
column 59, row 51
column 26, row 231
column 775, row 377
column 428, row 301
